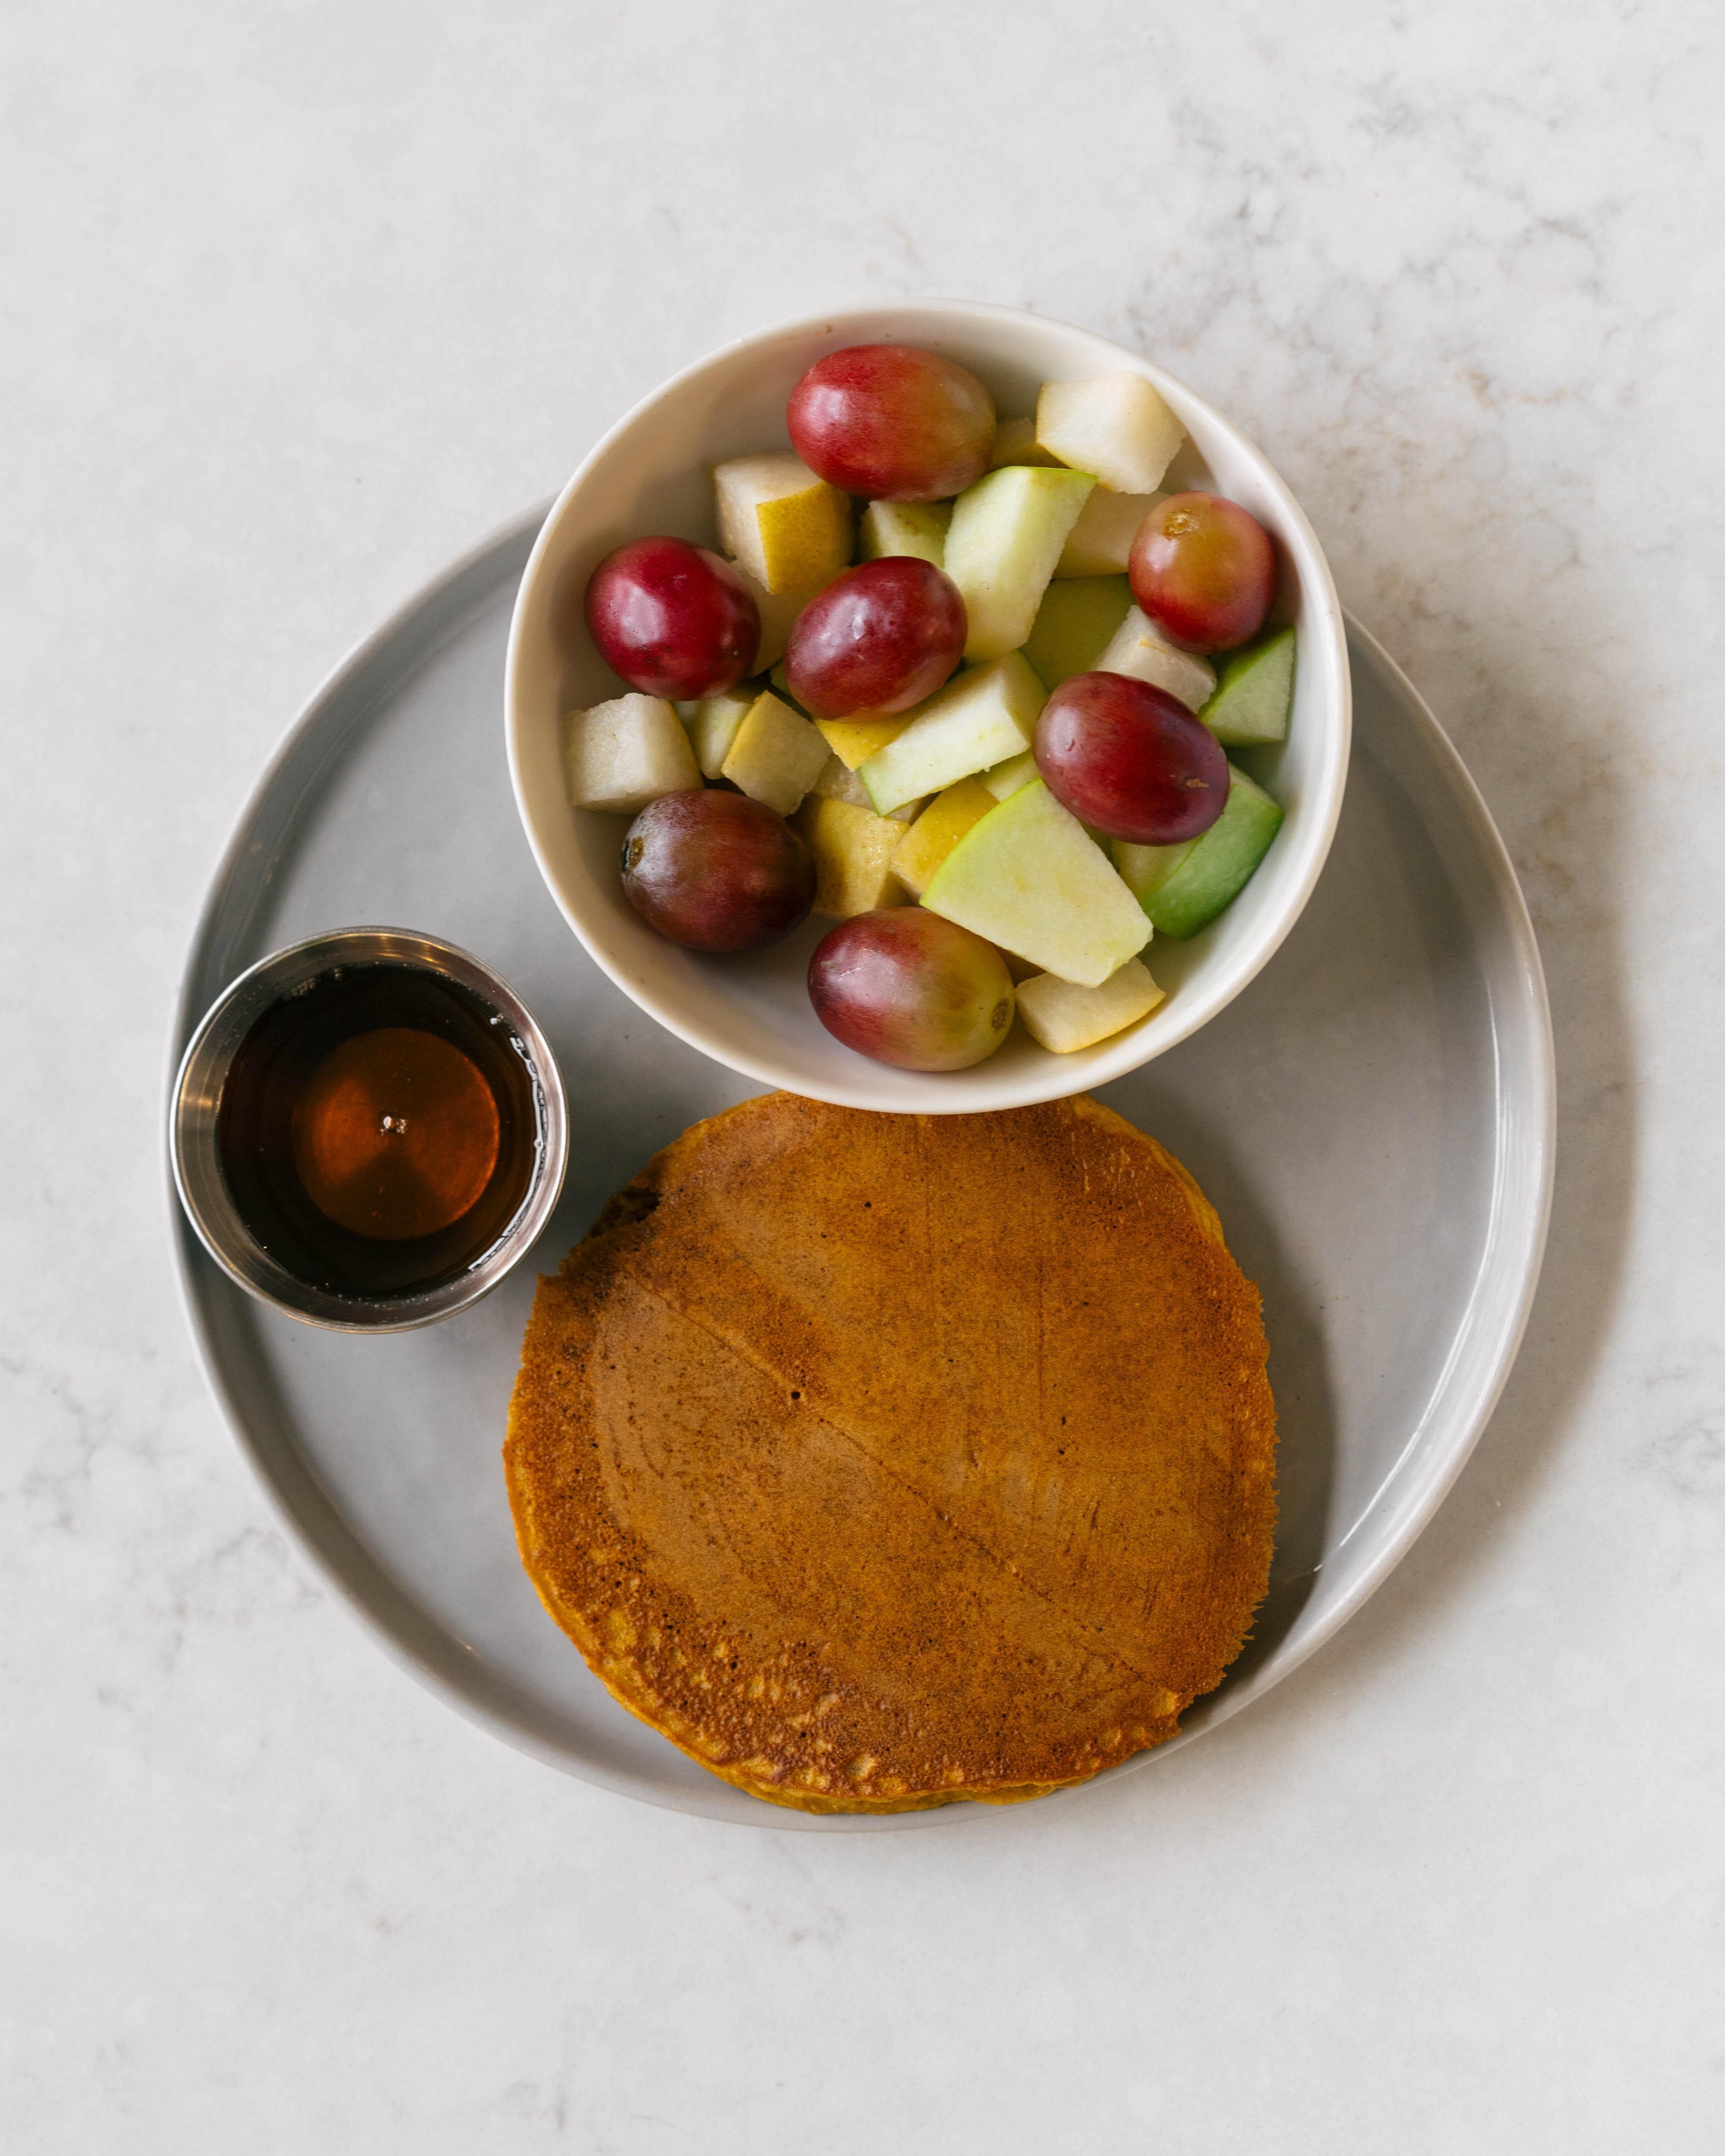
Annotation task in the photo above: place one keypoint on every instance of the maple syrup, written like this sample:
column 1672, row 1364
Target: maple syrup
column 377, row 1130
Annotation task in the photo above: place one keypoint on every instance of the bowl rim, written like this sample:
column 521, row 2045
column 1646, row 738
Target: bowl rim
column 1188, row 1012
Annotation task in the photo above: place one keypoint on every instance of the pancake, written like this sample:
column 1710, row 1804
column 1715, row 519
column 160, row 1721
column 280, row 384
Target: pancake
column 882, row 1461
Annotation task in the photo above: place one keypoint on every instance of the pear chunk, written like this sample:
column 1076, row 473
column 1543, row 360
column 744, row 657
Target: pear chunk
column 622, row 754
column 1099, row 544
column 934, row 832
column 1076, row 624
column 988, row 714
column 853, row 850
column 1119, row 428
column 778, row 611
column 1255, row 693
column 1062, row 1018
column 1138, row 648
column 775, row 756
column 1007, row 533
column 788, row 530
column 917, row 528
column 1031, row 879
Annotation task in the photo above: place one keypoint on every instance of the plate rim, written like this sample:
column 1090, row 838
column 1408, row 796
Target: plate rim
column 1513, row 1245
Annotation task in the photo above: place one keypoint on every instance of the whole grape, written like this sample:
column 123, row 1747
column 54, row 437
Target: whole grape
column 672, row 618
column 910, row 988
column 1204, row 569
column 881, row 638
column 892, row 423
column 1130, row 760
column 716, row 871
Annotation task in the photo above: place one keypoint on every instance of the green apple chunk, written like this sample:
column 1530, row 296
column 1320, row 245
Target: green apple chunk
column 1029, row 878
column 1003, row 778
column 1183, row 888
column 1073, row 626
column 990, row 713
column 712, row 722
column 918, row 528
column 1007, row 533
column 1255, row 693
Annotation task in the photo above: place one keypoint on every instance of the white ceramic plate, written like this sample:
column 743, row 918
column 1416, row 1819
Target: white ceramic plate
column 650, row 474
column 1372, row 1118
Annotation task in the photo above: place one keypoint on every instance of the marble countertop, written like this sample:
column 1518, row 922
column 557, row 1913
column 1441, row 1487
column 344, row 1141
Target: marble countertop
column 303, row 300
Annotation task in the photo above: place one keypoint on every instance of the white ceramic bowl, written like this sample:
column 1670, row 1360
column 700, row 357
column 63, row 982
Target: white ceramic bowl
column 650, row 474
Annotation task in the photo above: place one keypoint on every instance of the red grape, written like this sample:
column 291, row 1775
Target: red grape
column 716, row 871
column 881, row 638
column 673, row 619
column 1130, row 760
column 1204, row 569
column 909, row 987
column 892, row 423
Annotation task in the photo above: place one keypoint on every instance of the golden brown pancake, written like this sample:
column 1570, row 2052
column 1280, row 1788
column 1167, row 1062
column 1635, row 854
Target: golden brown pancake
column 880, row 1461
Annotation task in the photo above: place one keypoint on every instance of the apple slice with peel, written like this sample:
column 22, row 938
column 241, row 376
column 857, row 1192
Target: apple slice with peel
column 712, row 722
column 775, row 756
column 1099, row 544
column 1031, row 879
column 934, row 832
column 1182, row 889
column 1139, row 650
column 1015, row 443
column 1254, row 692
column 853, row 850
column 622, row 754
column 1118, row 427
column 917, row 528
column 988, row 714
column 1007, row 533
column 1074, row 625
column 790, row 530
column 1063, row 1018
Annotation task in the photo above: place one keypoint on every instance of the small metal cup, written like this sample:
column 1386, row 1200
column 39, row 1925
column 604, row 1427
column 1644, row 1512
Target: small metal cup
column 197, row 1098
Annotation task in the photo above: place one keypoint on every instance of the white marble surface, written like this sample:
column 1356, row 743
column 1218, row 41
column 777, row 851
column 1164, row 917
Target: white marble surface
column 302, row 299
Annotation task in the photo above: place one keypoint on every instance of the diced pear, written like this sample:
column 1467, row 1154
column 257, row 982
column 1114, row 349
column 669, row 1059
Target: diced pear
column 775, row 756
column 1255, row 693
column 934, row 832
column 788, row 529
column 854, row 741
column 1029, row 878
column 1061, row 1017
column 1184, row 895
column 1076, row 624
column 918, row 528
column 778, row 611
column 1015, row 443
column 1006, row 535
column 712, row 722
column 1099, row 544
column 622, row 754
column 1118, row 427
column 1138, row 648
column 853, row 850
column 1005, row 778
column 987, row 715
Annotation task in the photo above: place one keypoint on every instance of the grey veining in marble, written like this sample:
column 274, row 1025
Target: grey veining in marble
column 301, row 301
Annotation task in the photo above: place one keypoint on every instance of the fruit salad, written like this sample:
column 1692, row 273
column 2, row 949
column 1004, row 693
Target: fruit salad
column 972, row 687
